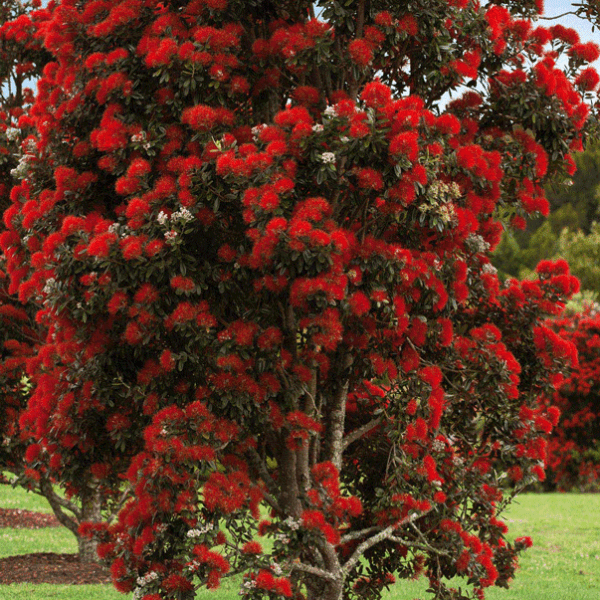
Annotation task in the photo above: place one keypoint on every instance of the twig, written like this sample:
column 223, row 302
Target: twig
column 560, row 16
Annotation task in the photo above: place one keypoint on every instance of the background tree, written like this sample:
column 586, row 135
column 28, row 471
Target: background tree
column 22, row 59
column 568, row 230
column 19, row 58
column 578, row 195
column 574, row 450
column 583, row 253
column 260, row 241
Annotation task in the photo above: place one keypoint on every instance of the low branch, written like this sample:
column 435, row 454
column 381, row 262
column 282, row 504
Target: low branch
column 125, row 495
column 356, row 535
column 259, row 466
column 63, row 502
column 313, row 571
column 412, row 544
column 57, row 503
column 358, row 433
column 384, row 534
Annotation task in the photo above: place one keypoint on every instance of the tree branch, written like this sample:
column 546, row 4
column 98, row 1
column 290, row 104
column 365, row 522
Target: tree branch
column 560, row 16
column 259, row 466
column 411, row 544
column 336, row 414
column 296, row 566
column 125, row 495
column 57, row 503
column 288, row 493
column 355, row 535
column 384, row 534
column 360, row 21
column 358, row 433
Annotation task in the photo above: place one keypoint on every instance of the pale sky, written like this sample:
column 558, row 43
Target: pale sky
column 558, row 7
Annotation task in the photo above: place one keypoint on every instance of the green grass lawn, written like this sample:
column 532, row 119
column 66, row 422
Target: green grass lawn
column 564, row 563
column 56, row 539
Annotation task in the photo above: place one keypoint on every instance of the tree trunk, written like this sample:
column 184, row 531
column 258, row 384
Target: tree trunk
column 90, row 512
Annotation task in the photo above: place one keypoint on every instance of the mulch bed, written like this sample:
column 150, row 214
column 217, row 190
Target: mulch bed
column 17, row 518
column 44, row 567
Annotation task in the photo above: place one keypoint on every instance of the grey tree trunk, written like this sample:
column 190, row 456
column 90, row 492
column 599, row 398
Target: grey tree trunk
column 91, row 505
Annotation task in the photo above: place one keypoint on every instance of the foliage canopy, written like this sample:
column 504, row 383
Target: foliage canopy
column 259, row 243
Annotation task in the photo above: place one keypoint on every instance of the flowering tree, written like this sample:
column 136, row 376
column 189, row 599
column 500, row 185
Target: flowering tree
column 17, row 333
column 259, row 236
column 22, row 59
column 574, row 448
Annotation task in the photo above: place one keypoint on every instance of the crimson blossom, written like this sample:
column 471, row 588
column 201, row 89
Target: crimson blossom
column 260, row 237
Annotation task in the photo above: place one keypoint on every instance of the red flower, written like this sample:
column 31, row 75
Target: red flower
column 314, row 519
column 72, row 224
column 252, row 547
column 376, row 94
column 270, row 338
column 418, row 331
column 359, row 304
column 117, row 302
column 227, row 253
column 525, row 542
column 361, row 52
column 33, row 451
column 439, row 497
column 539, row 472
column 282, row 586
column 588, row 52
column 131, row 247
column 406, row 143
column 408, row 24
column 177, row 583
column 154, row 247
column 117, row 422
column 146, row 294
column 384, row 19
column 133, row 333
column 305, row 94
column 204, row 118
column 184, row 312
column 431, row 375
column 138, row 168
column 565, row 34
column 179, row 282
column 370, row 179
column 167, row 362
column 292, row 116
column 447, row 124
column 100, row 244
column 588, row 79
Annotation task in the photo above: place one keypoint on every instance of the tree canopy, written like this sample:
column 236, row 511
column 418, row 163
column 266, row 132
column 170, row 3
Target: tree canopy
column 257, row 236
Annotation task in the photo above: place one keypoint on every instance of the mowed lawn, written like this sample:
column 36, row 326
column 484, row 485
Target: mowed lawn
column 564, row 563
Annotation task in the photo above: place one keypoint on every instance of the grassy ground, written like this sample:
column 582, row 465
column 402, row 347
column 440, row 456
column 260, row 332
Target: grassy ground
column 564, row 563
column 24, row 541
